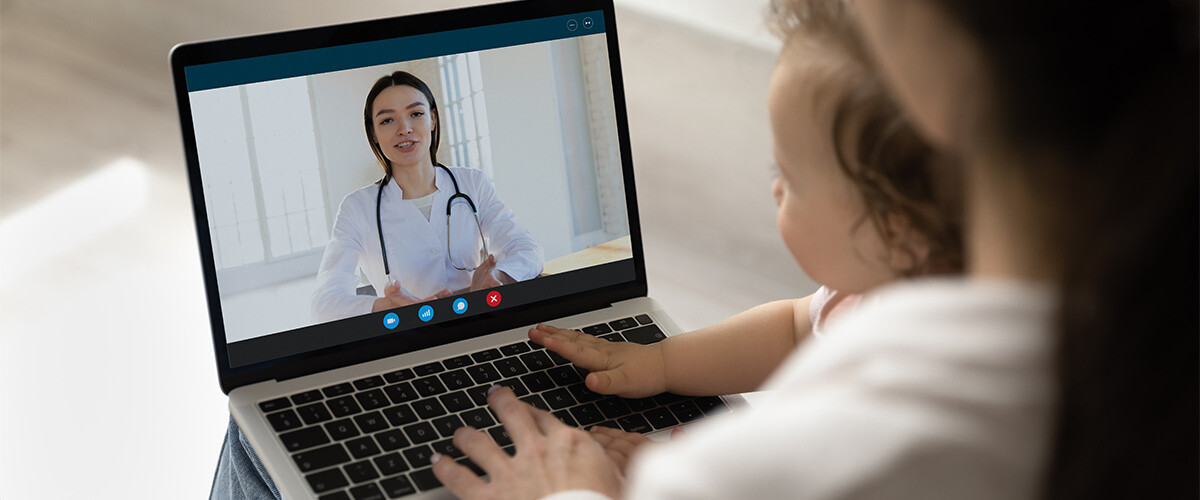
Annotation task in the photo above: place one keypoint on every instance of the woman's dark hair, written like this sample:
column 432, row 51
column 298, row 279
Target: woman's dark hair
column 1100, row 97
column 392, row 80
column 894, row 170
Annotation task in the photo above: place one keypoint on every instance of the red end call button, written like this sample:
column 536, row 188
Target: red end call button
column 493, row 298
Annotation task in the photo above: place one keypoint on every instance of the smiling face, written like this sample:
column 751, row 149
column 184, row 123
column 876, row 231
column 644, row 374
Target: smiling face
column 403, row 125
column 820, row 211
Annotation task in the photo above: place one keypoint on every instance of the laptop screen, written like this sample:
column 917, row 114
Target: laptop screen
column 505, row 181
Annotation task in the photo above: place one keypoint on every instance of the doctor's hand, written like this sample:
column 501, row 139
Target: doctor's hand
column 487, row 276
column 623, row 368
column 550, row 457
column 394, row 296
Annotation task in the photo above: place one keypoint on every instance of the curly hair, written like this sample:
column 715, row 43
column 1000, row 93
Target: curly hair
column 894, row 170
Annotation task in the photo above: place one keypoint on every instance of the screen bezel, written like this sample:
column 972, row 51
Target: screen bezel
column 195, row 53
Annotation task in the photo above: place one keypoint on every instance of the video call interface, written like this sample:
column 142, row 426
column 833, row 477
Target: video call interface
column 525, row 125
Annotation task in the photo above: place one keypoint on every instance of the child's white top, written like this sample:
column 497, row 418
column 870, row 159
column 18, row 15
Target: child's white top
column 827, row 303
column 932, row 389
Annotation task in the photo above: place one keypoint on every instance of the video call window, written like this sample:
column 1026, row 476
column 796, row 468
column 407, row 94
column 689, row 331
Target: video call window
column 279, row 158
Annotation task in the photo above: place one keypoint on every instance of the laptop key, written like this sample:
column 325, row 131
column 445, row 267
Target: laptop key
column 612, row 337
column 418, row 457
column 368, row 383
column 338, row 390
column 515, row 349
column 274, row 404
column 446, row 447
column 391, row 440
column 640, row 404
column 341, row 429
column 372, row 399
column 711, row 405
column 564, row 375
column 478, row 394
column 466, row 462
column 399, row 376
column 537, row 361
column 420, row 432
column 428, row 369
column 429, row 386
column 321, row 458
column 398, row 486
column 284, row 420
column 667, row 398
column 327, row 480
column 366, row 492
column 661, row 418
column 486, row 355
column 536, row 401
column 613, row 407
column 400, row 415
column 458, row 362
column 559, row 398
column 456, row 401
column 534, row 345
column 537, row 382
column 361, row 471
column 343, row 406
column 556, row 357
column 456, row 379
column 307, row 397
column 587, row 414
column 484, row 374
column 566, row 418
column 644, row 335
column 635, row 423
column 304, row 438
column 600, row 329
column 429, row 408
column 371, row 422
column 479, row 418
column 447, row 425
column 517, row 387
column 500, row 436
column 583, row 394
column 425, row 479
column 643, row 319
column 510, row 367
column 401, row 393
column 623, row 324
column 390, row 464
column 685, row 411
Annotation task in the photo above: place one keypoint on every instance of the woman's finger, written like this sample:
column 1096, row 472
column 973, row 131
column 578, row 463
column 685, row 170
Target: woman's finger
column 458, row 479
column 515, row 415
column 480, row 448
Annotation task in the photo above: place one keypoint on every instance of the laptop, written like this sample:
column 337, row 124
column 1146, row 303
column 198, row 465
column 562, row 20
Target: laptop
column 342, row 391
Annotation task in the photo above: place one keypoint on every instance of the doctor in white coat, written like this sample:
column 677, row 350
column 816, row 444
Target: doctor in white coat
column 400, row 236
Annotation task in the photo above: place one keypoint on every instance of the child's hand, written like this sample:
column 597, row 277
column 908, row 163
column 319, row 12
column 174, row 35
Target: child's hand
column 622, row 368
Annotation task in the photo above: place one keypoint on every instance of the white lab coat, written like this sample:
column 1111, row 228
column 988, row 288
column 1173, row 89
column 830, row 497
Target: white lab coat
column 416, row 247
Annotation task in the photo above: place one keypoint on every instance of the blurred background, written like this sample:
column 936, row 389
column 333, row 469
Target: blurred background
column 108, row 387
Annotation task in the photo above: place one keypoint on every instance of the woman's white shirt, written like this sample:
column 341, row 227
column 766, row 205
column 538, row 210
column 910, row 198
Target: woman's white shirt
column 932, row 389
column 416, row 246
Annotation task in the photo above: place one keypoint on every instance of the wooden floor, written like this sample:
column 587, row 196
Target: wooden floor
column 85, row 83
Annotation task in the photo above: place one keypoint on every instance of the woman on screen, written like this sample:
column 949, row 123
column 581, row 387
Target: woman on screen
column 424, row 231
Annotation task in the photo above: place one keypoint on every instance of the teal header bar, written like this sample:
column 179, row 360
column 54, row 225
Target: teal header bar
column 407, row 48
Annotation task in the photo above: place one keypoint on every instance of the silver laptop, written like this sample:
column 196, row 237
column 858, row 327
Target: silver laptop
column 346, row 361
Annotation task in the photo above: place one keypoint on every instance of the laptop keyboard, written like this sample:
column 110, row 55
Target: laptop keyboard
column 372, row 438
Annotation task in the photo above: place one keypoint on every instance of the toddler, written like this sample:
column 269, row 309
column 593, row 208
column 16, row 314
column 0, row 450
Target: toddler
column 862, row 201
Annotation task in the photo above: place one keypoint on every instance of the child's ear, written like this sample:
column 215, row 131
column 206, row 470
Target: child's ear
column 910, row 248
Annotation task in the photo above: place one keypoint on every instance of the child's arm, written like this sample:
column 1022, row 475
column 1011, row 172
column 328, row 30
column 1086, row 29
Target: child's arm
column 735, row 355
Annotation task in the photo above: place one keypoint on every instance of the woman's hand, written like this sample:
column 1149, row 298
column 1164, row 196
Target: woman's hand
column 550, row 457
column 622, row 368
column 487, row 276
column 394, row 296
column 621, row 446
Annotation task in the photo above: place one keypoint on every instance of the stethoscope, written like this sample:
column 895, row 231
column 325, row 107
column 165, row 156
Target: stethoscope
column 459, row 197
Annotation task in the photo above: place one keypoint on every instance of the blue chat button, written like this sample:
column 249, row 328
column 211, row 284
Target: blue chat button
column 460, row 305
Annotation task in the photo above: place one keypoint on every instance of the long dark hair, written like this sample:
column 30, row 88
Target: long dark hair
column 394, row 79
column 1101, row 97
